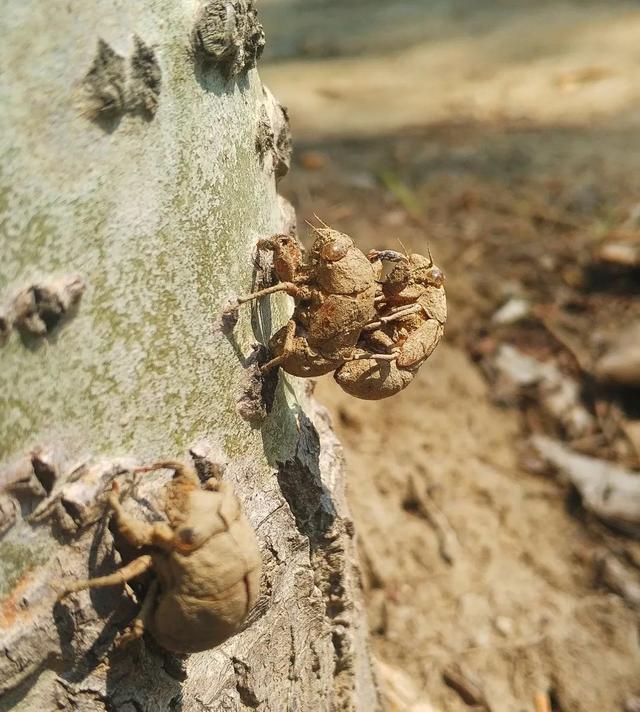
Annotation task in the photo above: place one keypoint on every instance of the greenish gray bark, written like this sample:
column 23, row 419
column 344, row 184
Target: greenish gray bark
column 139, row 158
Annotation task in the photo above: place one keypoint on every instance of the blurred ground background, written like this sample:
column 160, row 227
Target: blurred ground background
column 505, row 136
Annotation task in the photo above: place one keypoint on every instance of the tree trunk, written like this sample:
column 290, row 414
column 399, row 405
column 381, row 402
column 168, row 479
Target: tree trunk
column 140, row 153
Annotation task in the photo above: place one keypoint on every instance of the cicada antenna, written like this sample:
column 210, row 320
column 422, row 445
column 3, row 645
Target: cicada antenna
column 418, row 269
column 404, row 247
column 430, row 257
column 322, row 222
column 313, row 227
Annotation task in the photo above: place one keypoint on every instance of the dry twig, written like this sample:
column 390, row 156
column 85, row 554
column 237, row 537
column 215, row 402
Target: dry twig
column 541, row 701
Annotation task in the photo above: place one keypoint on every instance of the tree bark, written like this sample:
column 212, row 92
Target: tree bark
column 140, row 153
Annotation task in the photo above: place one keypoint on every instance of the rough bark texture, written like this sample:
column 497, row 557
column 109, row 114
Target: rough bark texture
column 139, row 159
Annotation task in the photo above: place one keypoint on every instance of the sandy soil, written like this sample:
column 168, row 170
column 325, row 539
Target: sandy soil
column 468, row 559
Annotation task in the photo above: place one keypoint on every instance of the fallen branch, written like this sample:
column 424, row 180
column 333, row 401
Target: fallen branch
column 469, row 689
column 610, row 492
column 541, row 702
column 448, row 543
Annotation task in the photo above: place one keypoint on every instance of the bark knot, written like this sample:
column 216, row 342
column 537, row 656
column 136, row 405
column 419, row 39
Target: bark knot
column 228, row 34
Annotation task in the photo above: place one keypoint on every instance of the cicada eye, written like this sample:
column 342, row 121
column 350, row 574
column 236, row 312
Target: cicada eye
column 435, row 276
column 336, row 249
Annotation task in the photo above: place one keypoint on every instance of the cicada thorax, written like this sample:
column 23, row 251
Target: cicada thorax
column 338, row 266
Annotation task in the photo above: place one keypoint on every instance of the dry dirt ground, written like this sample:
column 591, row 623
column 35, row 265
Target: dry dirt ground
column 507, row 139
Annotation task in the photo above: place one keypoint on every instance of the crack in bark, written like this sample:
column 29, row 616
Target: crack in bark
column 242, row 674
column 316, row 518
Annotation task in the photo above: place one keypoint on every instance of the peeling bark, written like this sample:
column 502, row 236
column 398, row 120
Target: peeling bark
column 151, row 178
